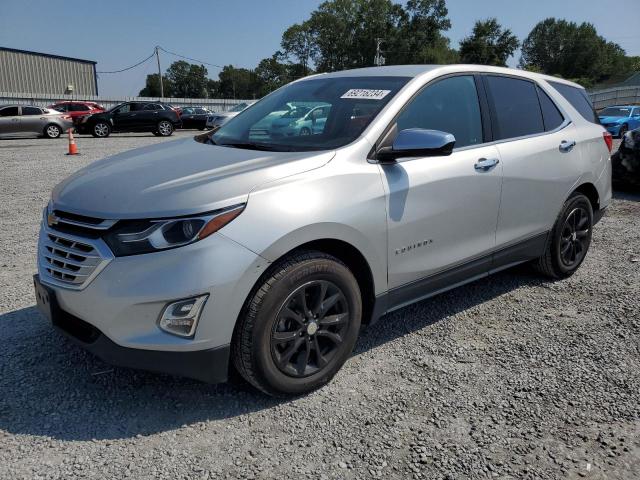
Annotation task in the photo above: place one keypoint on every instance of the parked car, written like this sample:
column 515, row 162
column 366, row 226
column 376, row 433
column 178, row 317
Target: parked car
column 76, row 109
column 301, row 121
column 620, row 119
column 218, row 119
column 15, row 119
column 153, row 117
column 192, row 256
column 194, row 117
column 626, row 161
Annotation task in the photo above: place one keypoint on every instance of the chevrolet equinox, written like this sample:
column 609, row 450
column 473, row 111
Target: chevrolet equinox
column 254, row 249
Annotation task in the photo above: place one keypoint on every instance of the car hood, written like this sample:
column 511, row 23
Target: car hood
column 611, row 119
column 182, row 177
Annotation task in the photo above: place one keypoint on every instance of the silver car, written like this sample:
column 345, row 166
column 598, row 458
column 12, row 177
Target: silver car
column 267, row 255
column 218, row 119
column 16, row 119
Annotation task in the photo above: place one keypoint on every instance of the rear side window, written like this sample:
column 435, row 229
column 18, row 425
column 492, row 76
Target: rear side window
column 550, row 113
column 578, row 98
column 516, row 110
column 450, row 105
column 78, row 107
column 152, row 106
column 31, row 111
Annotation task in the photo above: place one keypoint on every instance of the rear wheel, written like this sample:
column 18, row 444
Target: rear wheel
column 299, row 325
column 569, row 239
column 101, row 130
column 52, row 131
column 165, row 128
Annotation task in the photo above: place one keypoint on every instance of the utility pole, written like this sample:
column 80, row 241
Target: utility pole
column 379, row 60
column 159, row 74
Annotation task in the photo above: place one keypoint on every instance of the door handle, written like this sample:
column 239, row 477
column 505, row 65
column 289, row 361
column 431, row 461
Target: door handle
column 486, row 164
column 567, row 146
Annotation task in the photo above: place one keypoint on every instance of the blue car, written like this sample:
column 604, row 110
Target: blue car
column 620, row 119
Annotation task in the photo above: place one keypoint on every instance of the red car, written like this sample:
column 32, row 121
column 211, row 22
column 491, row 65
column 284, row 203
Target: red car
column 76, row 109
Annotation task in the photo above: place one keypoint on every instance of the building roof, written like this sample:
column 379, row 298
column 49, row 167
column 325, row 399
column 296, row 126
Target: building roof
column 49, row 55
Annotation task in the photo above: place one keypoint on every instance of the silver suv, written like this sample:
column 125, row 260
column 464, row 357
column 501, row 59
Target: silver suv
column 268, row 253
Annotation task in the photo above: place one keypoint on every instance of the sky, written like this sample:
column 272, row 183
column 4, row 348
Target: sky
column 119, row 33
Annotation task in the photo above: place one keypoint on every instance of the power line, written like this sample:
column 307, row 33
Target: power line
column 189, row 58
column 132, row 66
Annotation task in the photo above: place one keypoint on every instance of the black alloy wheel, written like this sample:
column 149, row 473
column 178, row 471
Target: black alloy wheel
column 309, row 328
column 574, row 239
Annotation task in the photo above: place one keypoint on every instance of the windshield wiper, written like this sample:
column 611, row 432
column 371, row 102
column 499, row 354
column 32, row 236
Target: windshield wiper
column 255, row 146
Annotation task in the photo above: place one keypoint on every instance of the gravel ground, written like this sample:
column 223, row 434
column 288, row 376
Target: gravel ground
column 509, row 377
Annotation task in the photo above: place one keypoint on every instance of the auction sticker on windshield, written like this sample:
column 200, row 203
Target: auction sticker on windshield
column 365, row 93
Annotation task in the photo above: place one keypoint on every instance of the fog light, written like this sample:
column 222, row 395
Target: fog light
column 181, row 317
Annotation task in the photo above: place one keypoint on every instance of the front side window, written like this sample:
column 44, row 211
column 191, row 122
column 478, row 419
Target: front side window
column 450, row 105
column 201, row 111
column 31, row 111
column 126, row 108
column 278, row 122
column 9, row 112
column 578, row 99
column 61, row 107
column 516, row 109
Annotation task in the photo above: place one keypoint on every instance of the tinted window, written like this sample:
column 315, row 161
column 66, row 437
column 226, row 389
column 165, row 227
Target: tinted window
column 550, row 113
column 450, row 105
column 78, row 107
column 126, row 108
column 9, row 112
column 201, row 111
column 63, row 107
column 31, row 111
column 516, row 107
column 152, row 106
column 578, row 98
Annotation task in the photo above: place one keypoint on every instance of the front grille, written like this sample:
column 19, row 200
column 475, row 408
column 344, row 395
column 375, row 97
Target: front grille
column 70, row 261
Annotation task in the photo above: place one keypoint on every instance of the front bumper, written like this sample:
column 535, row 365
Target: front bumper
column 210, row 365
column 124, row 301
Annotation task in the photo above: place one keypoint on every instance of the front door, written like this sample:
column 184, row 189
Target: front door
column 442, row 211
column 9, row 120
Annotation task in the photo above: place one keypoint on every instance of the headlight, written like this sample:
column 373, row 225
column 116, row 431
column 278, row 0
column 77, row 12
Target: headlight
column 131, row 237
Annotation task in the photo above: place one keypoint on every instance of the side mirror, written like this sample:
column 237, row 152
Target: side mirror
column 417, row 142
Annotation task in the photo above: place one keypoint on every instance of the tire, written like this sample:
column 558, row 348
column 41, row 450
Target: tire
column 304, row 131
column 569, row 240
column 271, row 325
column 623, row 129
column 165, row 128
column 101, row 129
column 52, row 131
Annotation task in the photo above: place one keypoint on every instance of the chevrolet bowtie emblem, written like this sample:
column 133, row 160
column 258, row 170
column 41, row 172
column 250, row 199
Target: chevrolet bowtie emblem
column 52, row 220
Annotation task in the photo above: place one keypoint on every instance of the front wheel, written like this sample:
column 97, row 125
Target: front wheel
column 569, row 239
column 165, row 128
column 299, row 325
column 52, row 131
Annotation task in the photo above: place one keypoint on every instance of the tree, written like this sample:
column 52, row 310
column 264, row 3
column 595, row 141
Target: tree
column 569, row 50
column 187, row 80
column 297, row 42
column 488, row 44
column 152, row 86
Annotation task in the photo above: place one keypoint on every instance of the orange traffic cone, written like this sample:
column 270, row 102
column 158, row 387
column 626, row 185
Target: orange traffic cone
column 73, row 148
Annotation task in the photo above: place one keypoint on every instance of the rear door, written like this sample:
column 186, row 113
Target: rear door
column 9, row 120
column 149, row 116
column 537, row 146
column 442, row 211
column 32, row 120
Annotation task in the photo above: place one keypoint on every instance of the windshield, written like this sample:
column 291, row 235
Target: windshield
column 278, row 122
column 615, row 112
